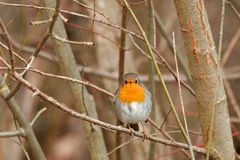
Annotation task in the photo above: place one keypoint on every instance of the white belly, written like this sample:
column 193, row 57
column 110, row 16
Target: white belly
column 133, row 113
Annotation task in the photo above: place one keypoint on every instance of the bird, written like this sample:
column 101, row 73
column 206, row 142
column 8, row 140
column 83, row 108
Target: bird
column 132, row 101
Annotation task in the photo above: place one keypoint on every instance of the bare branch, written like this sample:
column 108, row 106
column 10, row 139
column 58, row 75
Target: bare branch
column 6, row 36
column 36, row 52
column 37, row 115
column 75, row 114
column 8, row 134
column 18, row 115
column 55, row 36
column 230, row 47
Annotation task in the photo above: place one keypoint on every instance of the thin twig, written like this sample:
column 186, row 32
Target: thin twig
column 100, row 21
column 190, row 132
column 23, row 123
column 8, row 134
column 15, row 54
column 232, row 98
column 94, row 10
column 66, row 109
column 39, row 47
column 41, row 22
column 73, row 80
column 20, row 141
column 165, row 134
column 121, row 145
column 164, row 63
column 92, row 32
column 183, row 64
column 122, row 44
column 140, row 49
column 181, row 100
column 221, row 29
column 37, row 115
column 9, row 45
column 234, row 8
column 158, row 73
column 230, row 47
column 151, row 34
column 74, row 14
column 121, row 71
column 55, row 36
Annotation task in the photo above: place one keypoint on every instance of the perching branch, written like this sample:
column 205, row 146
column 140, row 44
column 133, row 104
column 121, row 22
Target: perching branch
column 84, row 117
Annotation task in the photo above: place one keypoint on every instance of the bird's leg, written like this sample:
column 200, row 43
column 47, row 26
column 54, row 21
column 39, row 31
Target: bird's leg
column 119, row 123
column 132, row 130
column 146, row 120
column 144, row 133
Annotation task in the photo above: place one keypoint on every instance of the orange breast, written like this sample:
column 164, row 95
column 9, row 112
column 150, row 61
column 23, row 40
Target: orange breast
column 131, row 93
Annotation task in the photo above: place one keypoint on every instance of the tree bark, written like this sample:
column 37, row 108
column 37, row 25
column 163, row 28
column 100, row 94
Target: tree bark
column 206, row 75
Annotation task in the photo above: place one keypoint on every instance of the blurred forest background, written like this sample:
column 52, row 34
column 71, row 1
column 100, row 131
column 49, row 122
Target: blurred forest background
column 63, row 137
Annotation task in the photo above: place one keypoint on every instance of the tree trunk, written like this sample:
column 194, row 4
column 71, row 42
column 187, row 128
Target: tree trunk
column 68, row 66
column 206, row 75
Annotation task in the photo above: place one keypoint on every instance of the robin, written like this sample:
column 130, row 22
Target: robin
column 133, row 101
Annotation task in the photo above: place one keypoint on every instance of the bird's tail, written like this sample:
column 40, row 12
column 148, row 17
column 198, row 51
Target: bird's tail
column 134, row 126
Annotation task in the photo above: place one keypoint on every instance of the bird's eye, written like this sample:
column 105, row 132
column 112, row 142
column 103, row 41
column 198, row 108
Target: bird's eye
column 136, row 81
column 125, row 81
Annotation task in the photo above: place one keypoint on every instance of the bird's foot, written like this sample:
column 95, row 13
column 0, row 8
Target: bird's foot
column 132, row 131
column 145, row 136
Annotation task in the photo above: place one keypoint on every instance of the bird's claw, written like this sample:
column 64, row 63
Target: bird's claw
column 132, row 132
column 145, row 136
